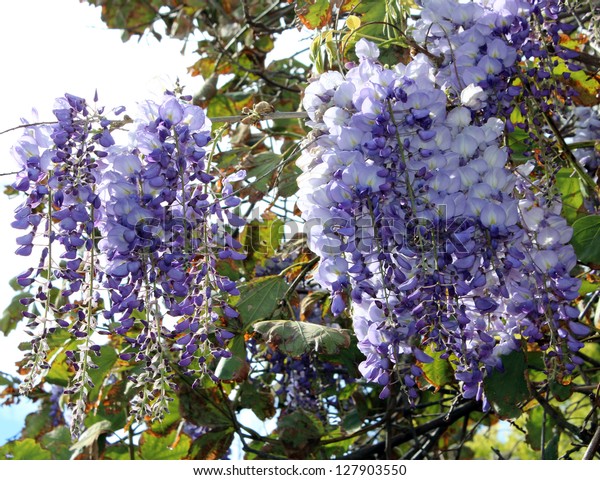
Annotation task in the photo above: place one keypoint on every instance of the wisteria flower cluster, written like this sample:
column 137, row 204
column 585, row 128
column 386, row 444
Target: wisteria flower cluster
column 479, row 45
column 424, row 231
column 130, row 233
column 587, row 129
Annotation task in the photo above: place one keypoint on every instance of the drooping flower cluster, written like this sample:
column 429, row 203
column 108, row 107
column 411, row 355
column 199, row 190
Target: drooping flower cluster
column 60, row 171
column 425, row 232
column 139, row 228
column 480, row 43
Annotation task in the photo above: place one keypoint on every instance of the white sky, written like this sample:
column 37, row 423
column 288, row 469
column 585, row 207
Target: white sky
column 47, row 49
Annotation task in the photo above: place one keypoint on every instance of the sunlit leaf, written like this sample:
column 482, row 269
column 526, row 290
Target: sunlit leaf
column 169, row 447
column 439, row 372
column 260, row 239
column 353, row 22
column 295, row 338
column 588, row 287
column 586, row 84
column 259, row 298
column 569, row 185
column 24, row 450
column 586, row 239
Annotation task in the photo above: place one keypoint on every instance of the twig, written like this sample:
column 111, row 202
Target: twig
column 264, row 116
column 558, row 418
column 497, row 452
column 593, row 446
column 25, row 125
column 445, row 420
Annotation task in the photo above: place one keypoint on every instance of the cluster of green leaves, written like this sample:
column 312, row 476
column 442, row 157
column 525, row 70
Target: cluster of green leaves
column 535, row 415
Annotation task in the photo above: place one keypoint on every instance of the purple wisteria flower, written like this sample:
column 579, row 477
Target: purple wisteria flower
column 129, row 235
column 422, row 229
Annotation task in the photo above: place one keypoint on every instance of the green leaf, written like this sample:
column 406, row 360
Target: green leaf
column 561, row 392
column 586, row 239
column 372, row 14
column 88, row 437
column 314, row 13
column 587, row 287
column 132, row 16
column 226, row 104
column 13, row 314
column 535, row 419
column 296, row 338
column 24, row 450
column 439, row 372
column 261, row 170
column 349, row 358
column 569, row 186
column 205, row 407
column 169, row 447
column 551, row 450
column 105, row 362
column 236, row 367
column 7, row 380
column 58, row 442
column 259, row 398
column 260, row 240
column 584, row 83
column 120, row 452
column 507, row 389
column 112, row 406
column 38, row 423
column 516, row 142
column 287, row 184
column 212, row 445
column 300, row 432
column 337, row 449
column 352, row 421
column 259, row 298
column 60, row 372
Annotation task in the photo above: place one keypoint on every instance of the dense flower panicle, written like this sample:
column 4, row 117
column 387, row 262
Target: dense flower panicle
column 481, row 43
column 138, row 229
column 424, row 232
column 587, row 128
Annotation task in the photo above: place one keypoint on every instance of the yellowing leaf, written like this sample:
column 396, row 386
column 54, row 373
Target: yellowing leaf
column 353, row 22
column 586, row 84
column 314, row 13
column 349, row 5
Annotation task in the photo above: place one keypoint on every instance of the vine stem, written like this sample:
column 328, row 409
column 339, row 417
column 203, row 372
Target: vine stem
column 593, row 446
column 259, row 117
column 222, row 119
